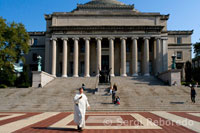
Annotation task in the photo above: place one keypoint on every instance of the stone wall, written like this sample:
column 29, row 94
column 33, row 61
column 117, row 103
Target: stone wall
column 40, row 79
column 171, row 77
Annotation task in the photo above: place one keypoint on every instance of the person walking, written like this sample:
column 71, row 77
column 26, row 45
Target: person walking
column 83, row 86
column 80, row 105
column 110, row 91
column 115, row 87
column 113, row 95
column 193, row 94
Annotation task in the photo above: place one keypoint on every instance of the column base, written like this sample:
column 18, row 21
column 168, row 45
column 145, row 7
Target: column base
column 54, row 76
column 64, row 76
column 147, row 74
column 112, row 75
column 123, row 75
column 75, row 76
column 87, row 76
column 135, row 75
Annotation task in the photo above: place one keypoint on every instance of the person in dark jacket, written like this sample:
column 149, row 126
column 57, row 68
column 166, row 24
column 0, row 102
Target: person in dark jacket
column 193, row 94
column 113, row 96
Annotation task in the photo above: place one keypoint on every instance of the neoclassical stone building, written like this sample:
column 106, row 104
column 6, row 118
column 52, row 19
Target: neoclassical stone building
column 103, row 34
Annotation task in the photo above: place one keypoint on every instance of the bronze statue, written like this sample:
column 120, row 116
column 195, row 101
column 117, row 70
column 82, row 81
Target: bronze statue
column 104, row 76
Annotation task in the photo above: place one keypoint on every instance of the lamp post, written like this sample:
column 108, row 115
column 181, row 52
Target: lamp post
column 173, row 61
column 39, row 63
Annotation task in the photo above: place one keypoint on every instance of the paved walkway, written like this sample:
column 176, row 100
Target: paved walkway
column 101, row 122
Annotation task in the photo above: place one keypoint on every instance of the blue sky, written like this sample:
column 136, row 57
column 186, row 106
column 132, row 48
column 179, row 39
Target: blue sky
column 184, row 14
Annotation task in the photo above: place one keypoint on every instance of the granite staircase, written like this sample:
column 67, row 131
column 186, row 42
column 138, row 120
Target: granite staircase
column 136, row 94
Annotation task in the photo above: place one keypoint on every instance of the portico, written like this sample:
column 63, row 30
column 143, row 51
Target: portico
column 119, row 66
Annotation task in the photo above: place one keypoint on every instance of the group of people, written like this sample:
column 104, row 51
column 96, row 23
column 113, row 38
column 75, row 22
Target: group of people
column 193, row 92
column 113, row 92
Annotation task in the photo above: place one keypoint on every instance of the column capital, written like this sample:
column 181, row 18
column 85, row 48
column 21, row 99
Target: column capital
column 75, row 38
column 98, row 38
column 135, row 38
column 146, row 37
column 111, row 38
column 86, row 38
column 53, row 39
column 123, row 38
column 64, row 39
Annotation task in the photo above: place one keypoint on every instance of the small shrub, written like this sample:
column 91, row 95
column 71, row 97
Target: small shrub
column 3, row 86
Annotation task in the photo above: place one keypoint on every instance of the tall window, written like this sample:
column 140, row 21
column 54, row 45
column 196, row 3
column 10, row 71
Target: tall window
column 71, row 67
column 82, row 67
column 35, row 41
column 150, row 67
column 71, row 48
column 179, row 55
column 127, row 67
column 82, row 48
column 179, row 40
column 139, row 67
column 128, row 47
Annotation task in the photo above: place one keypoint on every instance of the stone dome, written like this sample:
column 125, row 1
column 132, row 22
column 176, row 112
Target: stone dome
column 105, row 2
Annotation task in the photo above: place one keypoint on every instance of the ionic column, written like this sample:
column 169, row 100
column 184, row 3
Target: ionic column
column 146, row 56
column 98, row 67
column 134, row 56
column 164, row 53
column 111, row 56
column 75, row 57
column 158, row 56
column 64, row 65
column 123, row 56
column 53, row 71
column 87, row 57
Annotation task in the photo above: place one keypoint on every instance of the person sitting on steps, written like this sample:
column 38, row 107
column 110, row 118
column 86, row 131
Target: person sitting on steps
column 117, row 101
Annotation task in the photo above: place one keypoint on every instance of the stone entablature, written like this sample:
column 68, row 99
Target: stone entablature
column 106, row 30
column 180, row 32
column 37, row 33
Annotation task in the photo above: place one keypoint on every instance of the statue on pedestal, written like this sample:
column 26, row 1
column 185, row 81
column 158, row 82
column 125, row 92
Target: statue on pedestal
column 104, row 76
column 39, row 63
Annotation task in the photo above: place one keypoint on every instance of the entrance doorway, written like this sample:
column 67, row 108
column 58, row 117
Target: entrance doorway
column 105, row 62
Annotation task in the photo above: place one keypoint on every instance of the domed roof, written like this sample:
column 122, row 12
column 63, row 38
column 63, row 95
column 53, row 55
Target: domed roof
column 105, row 2
column 111, row 5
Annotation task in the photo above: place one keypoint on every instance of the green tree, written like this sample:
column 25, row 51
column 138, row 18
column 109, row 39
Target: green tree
column 188, row 71
column 13, row 45
column 23, row 81
column 197, row 49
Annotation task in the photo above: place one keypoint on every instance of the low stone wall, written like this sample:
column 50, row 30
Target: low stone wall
column 40, row 79
column 172, row 77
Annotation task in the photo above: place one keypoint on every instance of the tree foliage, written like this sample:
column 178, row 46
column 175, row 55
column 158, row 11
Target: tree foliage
column 197, row 49
column 188, row 71
column 13, row 44
column 23, row 80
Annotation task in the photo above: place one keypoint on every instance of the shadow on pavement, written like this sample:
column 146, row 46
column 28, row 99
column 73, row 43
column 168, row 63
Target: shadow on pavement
column 58, row 129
